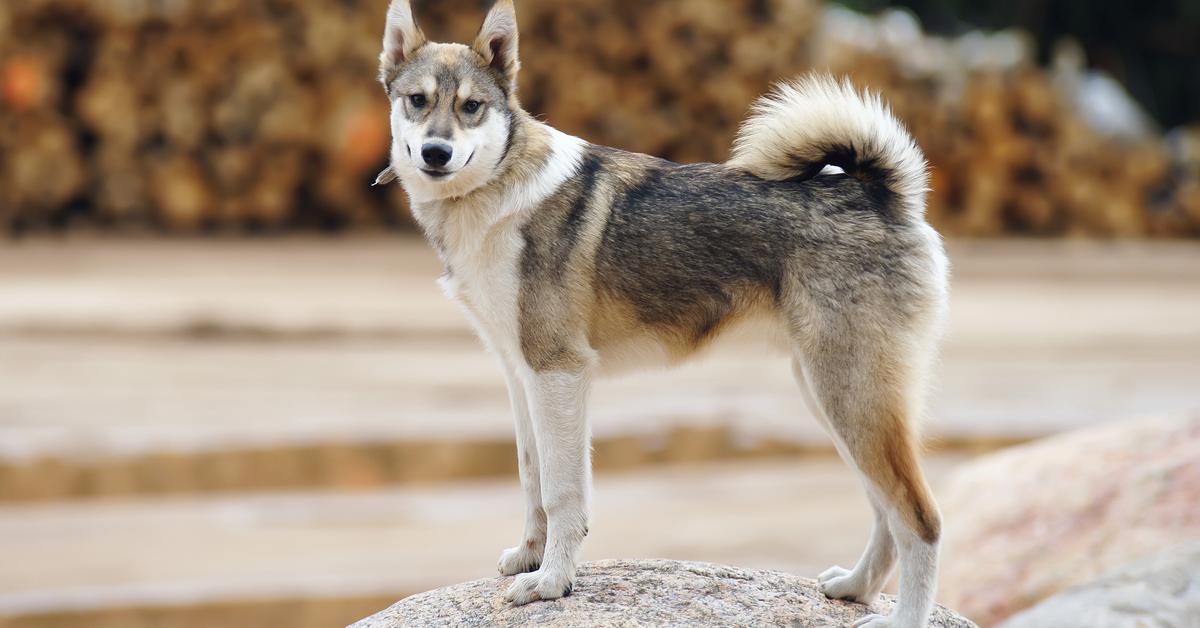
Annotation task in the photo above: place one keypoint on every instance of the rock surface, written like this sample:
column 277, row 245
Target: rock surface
column 1031, row 521
column 1163, row 590
column 644, row 593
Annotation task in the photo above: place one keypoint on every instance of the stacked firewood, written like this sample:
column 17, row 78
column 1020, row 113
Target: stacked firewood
column 1010, row 155
column 192, row 115
column 228, row 115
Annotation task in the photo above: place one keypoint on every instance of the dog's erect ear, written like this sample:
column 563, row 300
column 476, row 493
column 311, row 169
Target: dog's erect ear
column 497, row 41
column 401, row 38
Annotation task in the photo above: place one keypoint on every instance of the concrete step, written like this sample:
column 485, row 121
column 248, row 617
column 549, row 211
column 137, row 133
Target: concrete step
column 383, row 286
column 149, row 367
column 241, row 560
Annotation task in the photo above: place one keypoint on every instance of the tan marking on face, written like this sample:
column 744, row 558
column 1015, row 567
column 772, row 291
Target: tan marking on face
column 464, row 90
column 429, row 84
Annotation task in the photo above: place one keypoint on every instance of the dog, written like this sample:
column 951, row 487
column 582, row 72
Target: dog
column 573, row 260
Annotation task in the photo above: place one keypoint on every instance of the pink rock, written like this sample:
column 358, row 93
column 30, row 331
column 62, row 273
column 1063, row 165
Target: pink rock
column 1028, row 522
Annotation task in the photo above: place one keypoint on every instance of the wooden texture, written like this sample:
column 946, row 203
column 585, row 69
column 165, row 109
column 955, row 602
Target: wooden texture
column 199, row 116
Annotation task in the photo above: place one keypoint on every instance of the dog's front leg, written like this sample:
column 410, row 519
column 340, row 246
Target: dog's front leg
column 557, row 399
column 527, row 555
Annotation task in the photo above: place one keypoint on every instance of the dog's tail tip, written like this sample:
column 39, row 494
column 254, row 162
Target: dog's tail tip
column 801, row 126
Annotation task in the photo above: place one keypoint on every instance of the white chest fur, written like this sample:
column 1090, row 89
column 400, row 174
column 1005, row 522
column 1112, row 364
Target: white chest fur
column 485, row 282
column 483, row 247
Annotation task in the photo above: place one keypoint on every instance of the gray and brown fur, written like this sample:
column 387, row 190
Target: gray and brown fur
column 637, row 244
column 608, row 254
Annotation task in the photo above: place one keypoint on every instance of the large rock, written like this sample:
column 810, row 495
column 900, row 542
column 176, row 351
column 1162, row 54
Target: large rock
column 644, row 593
column 1163, row 590
column 1029, row 522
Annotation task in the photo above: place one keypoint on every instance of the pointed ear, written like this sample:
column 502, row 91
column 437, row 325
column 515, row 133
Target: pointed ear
column 401, row 38
column 497, row 41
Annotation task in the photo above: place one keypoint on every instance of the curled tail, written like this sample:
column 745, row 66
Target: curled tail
column 801, row 126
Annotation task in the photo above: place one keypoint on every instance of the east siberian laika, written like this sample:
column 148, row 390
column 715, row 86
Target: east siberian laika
column 573, row 259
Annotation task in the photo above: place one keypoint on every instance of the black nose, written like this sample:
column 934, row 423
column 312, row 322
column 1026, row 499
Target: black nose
column 436, row 155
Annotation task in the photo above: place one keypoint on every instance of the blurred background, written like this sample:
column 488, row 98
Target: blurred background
column 231, row 394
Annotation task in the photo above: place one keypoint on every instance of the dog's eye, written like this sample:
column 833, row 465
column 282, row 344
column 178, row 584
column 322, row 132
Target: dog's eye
column 471, row 106
column 417, row 100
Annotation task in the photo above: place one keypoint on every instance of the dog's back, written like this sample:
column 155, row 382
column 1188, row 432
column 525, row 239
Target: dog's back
column 666, row 257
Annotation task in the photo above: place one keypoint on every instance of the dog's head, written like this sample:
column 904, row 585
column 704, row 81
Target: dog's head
column 452, row 104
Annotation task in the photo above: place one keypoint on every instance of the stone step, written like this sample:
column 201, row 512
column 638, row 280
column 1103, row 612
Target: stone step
column 149, row 367
column 251, row 288
column 379, row 286
column 241, row 560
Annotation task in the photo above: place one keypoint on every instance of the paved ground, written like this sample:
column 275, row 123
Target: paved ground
column 140, row 347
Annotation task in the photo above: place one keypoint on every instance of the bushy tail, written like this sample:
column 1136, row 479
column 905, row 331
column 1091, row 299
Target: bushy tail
column 802, row 126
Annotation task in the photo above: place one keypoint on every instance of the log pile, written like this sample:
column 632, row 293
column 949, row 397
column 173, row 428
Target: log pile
column 1009, row 153
column 196, row 116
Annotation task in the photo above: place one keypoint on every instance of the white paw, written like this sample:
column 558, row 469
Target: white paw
column 520, row 559
column 539, row 585
column 874, row 621
column 833, row 572
column 842, row 584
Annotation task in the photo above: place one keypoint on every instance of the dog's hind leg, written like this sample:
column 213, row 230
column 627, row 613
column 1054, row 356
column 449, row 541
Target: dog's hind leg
column 527, row 555
column 867, row 388
column 866, row 580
